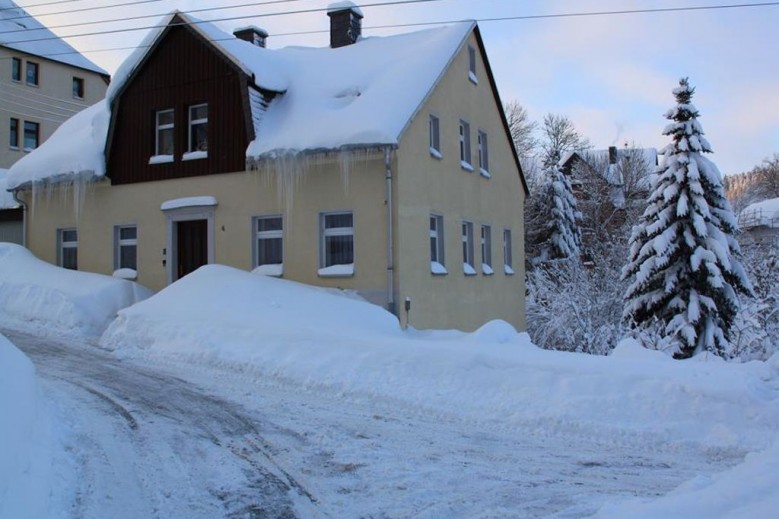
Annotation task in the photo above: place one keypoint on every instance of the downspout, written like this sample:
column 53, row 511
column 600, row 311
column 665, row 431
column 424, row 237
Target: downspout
column 390, row 261
column 15, row 195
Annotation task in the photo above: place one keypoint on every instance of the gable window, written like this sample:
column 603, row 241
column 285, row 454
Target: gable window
column 32, row 73
column 269, row 244
column 31, row 135
column 336, row 244
column 67, row 248
column 472, row 65
column 486, row 249
column 16, row 69
column 435, row 137
column 13, row 140
column 126, row 247
column 437, row 244
column 467, row 244
column 165, row 133
column 78, row 87
column 507, row 265
column 465, row 145
column 198, row 130
column 484, row 156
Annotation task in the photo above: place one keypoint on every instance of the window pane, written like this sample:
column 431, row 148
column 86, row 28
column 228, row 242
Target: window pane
column 70, row 235
column 128, row 233
column 30, row 135
column 199, row 138
column 269, row 224
column 334, row 221
column 198, row 112
column 16, row 69
column 70, row 258
column 165, row 117
column 78, row 87
column 32, row 73
column 269, row 251
column 127, row 257
column 14, row 135
column 165, row 142
column 339, row 250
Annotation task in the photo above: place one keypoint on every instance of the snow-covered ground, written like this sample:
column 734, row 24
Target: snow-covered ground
column 361, row 419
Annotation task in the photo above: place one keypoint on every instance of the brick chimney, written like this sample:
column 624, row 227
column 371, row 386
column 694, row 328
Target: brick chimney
column 345, row 23
column 252, row 34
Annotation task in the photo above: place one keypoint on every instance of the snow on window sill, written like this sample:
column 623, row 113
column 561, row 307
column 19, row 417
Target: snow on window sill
column 468, row 269
column 161, row 159
column 129, row 274
column 337, row 271
column 271, row 269
column 466, row 166
column 435, row 153
column 508, row 270
column 437, row 269
column 486, row 270
column 15, row 148
column 483, row 172
column 28, row 150
column 472, row 77
column 195, row 155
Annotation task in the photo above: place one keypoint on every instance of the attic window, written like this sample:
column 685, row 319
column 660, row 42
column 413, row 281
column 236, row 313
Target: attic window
column 32, row 73
column 472, row 65
column 16, row 69
column 165, row 133
column 198, row 128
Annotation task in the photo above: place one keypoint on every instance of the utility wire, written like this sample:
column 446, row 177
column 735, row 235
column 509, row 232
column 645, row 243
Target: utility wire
column 401, row 25
column 31, row 93
column 26, row 99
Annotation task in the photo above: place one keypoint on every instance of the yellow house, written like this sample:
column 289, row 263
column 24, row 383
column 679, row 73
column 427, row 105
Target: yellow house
column 382, row 165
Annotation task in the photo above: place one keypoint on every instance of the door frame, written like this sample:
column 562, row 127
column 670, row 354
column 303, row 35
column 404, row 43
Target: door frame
column 184, row 214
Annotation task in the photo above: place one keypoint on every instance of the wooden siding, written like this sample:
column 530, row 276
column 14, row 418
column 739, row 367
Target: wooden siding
column 183, row 70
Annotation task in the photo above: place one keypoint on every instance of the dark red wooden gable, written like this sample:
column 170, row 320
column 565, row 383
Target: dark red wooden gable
column 180, row 71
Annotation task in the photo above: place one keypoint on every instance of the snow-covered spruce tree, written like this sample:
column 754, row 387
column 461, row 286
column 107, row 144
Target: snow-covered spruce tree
column 554, row 233
column 683, row 265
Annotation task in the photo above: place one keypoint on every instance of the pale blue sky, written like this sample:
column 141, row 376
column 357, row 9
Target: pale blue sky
column 612, row 75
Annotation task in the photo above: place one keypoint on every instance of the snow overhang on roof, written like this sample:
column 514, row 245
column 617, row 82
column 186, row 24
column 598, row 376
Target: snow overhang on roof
column 22, row 32
column 303, row 100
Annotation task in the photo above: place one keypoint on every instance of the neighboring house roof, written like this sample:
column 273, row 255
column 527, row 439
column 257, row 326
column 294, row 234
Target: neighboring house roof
column 362, row 95
column 760, row 214
column 22, row 32
column 650, row 157
column 6, row 199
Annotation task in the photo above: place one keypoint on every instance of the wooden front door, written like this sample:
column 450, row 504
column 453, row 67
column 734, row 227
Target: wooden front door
column 191, row 246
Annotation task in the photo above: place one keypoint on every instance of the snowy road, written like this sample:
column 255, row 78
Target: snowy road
column 180, row 440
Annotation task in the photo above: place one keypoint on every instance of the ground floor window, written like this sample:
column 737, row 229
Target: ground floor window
column 437, row 244
column 467, row 243
column 269, row 243
column 337, row 240
column 126, row 247
column 67, row 248
column 486, row 249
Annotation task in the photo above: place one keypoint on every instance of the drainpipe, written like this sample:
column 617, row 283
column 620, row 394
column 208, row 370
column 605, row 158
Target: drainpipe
column 15, row 194
column 390, row 261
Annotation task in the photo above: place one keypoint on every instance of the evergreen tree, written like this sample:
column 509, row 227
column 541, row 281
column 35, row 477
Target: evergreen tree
column 554, row 233
column 683, row 265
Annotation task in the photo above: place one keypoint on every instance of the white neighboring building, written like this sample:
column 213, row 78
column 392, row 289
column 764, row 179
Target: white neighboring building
column 43, row 82
column 760, row 221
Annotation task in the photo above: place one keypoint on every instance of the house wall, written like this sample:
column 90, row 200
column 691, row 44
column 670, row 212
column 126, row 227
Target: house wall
column 49, row 104
column 240, row 196
column 427, row 184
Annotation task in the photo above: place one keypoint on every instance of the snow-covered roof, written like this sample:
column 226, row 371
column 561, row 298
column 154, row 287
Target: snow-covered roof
column 6, row 199
column 765, row 213
column 360, row 95
column 22, row 32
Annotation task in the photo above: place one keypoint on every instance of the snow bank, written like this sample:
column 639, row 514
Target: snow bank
column 275, row 327
column 35, row 295
column 24, row 438
column 760, row 213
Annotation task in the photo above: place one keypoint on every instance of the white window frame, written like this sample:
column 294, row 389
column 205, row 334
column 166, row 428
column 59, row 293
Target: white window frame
column 120, row 243
column 192, row 123
column 161, row 127
column 472, row 65
column 62, row 245
column 267, row 235
column 466, row 237
column 486, row 249
column 508, row 268
column 465, row 145
column 436, row 243
column 484, row 154
column 325, row 233
column 434, row 125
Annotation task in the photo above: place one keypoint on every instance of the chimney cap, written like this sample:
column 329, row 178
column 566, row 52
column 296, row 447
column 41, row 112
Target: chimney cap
column 344, row 5
column 253, row 28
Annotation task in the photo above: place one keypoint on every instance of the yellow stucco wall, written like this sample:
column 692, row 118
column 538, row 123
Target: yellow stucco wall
column 427, row 184
column 49, row 104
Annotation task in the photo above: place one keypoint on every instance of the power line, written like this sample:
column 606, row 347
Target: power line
column 32, row 93
column 402, row 25
column 38, row 5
